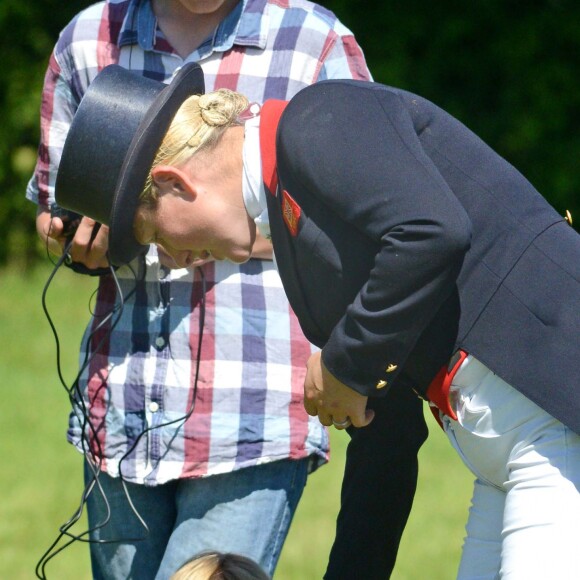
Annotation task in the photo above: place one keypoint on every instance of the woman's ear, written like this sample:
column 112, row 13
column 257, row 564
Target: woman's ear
column 170, row 179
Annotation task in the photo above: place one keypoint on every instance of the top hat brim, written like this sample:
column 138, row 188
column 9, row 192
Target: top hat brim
column 123, row 246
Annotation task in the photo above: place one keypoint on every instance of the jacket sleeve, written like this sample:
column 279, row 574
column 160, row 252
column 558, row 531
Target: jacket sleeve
column 377, row 179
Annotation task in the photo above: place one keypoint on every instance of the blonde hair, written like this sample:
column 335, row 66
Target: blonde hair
column 217, row 566
column 197, row 126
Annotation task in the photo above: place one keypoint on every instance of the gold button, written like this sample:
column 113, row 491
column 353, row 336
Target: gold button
column 392, row 367
column 568, row 217
column 381, row 384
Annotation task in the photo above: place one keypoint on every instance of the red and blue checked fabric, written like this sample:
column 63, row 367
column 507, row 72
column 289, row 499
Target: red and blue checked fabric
column 139, row 382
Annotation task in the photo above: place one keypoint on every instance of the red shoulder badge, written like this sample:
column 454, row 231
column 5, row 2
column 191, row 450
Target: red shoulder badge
column 290, row 212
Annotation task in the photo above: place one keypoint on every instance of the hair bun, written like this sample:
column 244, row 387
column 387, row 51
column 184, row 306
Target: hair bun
column 221, row 107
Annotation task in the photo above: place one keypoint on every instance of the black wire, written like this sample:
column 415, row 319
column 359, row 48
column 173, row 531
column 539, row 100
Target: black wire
column 78, row 403
column 191, row 408
column 181, row 420
column 76, row 400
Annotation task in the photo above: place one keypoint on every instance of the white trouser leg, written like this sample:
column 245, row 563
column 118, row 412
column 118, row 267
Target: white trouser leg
column 518, row 452
column 481, row 553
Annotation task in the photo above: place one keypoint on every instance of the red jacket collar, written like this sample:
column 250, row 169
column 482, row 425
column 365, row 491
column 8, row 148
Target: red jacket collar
column 269, row 118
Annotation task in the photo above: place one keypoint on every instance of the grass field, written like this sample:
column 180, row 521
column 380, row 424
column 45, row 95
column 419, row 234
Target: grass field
column 40, row 479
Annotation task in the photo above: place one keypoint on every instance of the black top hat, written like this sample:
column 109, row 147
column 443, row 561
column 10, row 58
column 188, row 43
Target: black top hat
column 111, row 145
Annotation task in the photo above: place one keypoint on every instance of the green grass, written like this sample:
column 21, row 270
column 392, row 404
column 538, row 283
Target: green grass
column 41, row 483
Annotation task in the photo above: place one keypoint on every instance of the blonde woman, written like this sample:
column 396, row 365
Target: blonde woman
column 414, row 256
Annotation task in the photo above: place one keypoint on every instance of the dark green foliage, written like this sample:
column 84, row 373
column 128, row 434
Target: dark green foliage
column 507, row 69
column 29, row 31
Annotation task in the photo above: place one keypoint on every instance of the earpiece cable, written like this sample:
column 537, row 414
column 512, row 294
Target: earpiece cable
column 94, row 453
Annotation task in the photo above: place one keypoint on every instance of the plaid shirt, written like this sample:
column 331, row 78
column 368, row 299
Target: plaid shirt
column 138, row 383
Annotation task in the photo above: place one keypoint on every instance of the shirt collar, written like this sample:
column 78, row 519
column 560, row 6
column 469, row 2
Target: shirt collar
column 253, row 189
column 246, row 25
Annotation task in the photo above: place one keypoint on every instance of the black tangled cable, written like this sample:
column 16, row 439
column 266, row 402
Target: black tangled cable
column 90, row 442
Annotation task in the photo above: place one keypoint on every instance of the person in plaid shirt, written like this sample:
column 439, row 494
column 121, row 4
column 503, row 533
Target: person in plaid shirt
column 230, row 476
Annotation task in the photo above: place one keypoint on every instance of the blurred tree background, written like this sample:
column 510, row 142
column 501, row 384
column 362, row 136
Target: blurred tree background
column 509, row 69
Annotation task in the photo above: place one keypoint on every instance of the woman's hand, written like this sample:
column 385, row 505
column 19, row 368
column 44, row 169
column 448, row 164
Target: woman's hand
column 89, row 244
column 331, row 400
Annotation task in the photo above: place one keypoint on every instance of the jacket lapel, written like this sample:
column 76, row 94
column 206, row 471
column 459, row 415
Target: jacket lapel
column 284, row 231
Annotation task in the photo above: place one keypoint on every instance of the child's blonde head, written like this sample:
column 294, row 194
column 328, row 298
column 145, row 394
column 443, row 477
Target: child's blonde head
column 216, row 566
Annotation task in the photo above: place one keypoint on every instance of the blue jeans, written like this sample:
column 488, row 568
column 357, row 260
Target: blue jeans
column 247, row 512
